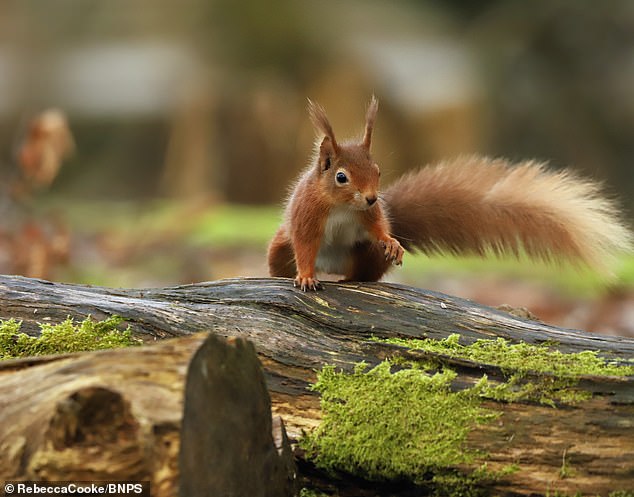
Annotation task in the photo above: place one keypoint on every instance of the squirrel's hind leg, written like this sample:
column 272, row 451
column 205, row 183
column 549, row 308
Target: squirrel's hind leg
column 368, row 262
column 281, row 257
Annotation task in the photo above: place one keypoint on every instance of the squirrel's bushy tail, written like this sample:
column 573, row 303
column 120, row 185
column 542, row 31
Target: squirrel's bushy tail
column 475, row 205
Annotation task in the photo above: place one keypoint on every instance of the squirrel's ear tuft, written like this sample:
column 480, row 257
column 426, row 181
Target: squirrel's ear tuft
column 370, row 117
column 321, row 123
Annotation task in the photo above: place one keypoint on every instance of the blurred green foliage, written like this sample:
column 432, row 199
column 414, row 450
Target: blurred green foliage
column 236, row 225
column 159, row 236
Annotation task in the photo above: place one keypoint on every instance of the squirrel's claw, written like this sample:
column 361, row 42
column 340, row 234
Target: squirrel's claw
column 306, row 283
column 393, row 251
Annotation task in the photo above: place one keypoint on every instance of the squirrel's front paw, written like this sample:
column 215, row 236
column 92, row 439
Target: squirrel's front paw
column 305, row 283
column 393, row 251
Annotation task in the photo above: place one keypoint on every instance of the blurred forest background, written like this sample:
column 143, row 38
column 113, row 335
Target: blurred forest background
column 180, row 125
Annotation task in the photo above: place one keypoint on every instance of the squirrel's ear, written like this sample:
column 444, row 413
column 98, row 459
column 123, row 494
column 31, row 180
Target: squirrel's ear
column 370, row 117
column 321, row 123
column 328, row 148
column 326, row 153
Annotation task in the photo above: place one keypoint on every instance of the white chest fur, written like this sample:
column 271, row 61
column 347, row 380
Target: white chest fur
column 342, row 231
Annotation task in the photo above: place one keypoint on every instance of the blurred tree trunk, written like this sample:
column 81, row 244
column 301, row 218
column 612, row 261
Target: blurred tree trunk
column 190, row 168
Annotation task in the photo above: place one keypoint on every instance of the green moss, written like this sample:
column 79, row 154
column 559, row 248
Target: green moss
column 400, row 421
column 64, row 337
column 548, row 390
column 537, row 373
column 415, row 418
column 515, row 387
column 521, row 357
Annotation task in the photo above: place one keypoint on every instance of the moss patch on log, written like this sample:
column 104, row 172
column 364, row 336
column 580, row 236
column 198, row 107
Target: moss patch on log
column 407, row 424
column 402, row 420
column 67, row 336
column 533, row 373
column 519, row 357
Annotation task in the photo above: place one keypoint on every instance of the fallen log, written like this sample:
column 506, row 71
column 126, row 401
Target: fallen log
column 122, row 415
column 586, row 447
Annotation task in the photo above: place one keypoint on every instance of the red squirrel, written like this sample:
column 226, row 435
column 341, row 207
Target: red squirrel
column 337, row 221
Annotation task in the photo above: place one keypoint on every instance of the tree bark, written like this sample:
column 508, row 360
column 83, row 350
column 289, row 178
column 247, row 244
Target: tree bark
column 296, row 333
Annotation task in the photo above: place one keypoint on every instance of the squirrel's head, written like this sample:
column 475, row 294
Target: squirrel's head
column 346, row 171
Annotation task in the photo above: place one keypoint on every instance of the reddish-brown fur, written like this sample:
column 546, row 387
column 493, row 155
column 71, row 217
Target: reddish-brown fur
column 472, row 205
column 475, row 205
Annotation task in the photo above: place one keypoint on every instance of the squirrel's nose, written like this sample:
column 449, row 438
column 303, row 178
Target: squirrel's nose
column 371, row 200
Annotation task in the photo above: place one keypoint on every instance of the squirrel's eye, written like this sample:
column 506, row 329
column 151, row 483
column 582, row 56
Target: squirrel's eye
column 341, row 178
